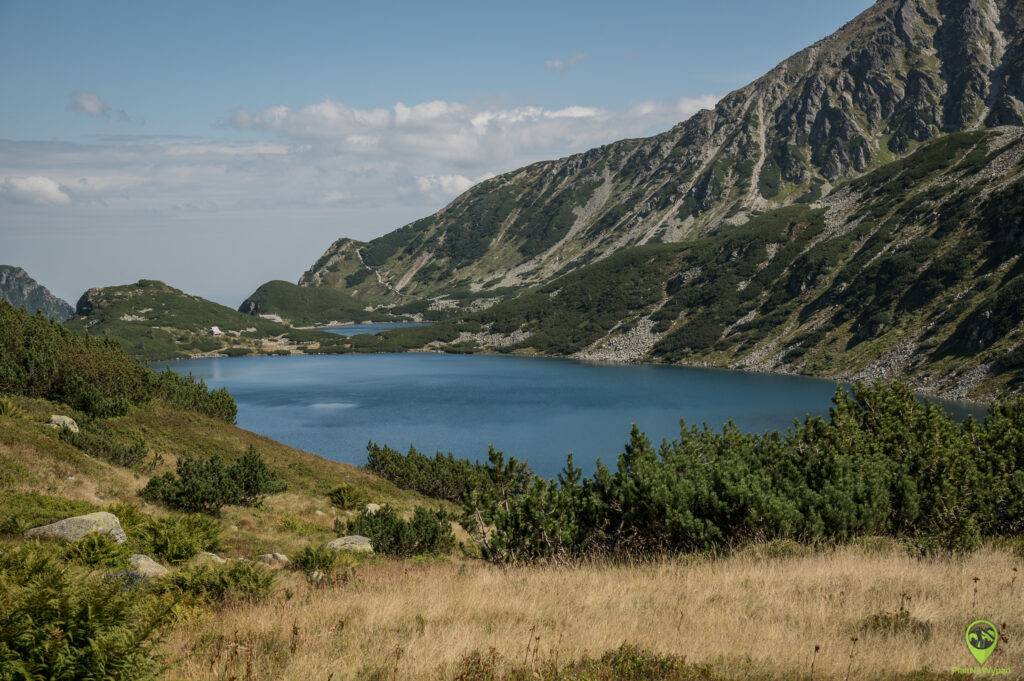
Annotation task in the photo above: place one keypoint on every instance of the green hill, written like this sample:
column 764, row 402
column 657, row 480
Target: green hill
column 152, row 321
column 305, row 306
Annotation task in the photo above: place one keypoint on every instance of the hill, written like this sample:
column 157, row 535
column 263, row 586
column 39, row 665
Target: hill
column 152, row 321
column 900, row 74
column 21, row 290
column 302, row 306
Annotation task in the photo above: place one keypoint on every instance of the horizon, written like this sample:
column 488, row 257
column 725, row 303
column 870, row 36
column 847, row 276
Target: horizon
column 130, row 148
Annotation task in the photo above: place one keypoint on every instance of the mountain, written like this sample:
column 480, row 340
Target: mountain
column 911, row 271
column 152, row 320
column 21, row 290
column 902, row 73
column 304, row 306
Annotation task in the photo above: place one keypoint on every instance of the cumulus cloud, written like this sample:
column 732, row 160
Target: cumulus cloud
column 475, row 138
column 563, row 65
column 325, row 156
column 90, row 104
column 35, row 190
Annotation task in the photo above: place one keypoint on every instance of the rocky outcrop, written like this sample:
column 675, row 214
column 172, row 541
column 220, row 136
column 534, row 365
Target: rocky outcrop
column 206, row 558
column 353, row 543
column 73, row 529
column 63, row 423
column 145, row 567
column 21, row 290
column 274, row 560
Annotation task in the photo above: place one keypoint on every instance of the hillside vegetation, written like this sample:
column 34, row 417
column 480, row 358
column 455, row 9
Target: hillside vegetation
column 302, row 306
column 152, row 321
column 910, row 272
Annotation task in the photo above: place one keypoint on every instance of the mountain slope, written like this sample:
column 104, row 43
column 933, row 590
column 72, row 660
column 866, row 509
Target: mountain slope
column 901, row 73
column 152, row 320
column 21, row 290
column 913, row 270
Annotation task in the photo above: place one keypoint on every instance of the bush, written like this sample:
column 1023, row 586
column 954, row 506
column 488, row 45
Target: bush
column 345, row 497
column 41, row 358
column 97, row 551
column 121, row 450
column 217, row 585
column 9, row 409
column 58, row 622
column 314, row 560
column 205, row 485
column 428, row 532
column 175, row 539
column 885, row 464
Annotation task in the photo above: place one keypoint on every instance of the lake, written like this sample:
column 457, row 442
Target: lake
column 367, row 328
column 535, row 409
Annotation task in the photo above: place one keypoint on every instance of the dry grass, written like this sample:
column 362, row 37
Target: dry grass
column 405, row 620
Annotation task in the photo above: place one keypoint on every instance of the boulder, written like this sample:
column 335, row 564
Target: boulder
column 371, row 508
column 73, row 529
column 319, row 512
column 206, row 558
column 144, row 566
column 61, row 422
column 274, row 560
column 353, row 542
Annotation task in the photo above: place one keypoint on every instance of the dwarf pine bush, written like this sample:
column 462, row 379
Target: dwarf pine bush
column 427, row 532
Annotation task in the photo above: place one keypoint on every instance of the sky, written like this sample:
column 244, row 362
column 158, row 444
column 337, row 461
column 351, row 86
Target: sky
column 216, row 146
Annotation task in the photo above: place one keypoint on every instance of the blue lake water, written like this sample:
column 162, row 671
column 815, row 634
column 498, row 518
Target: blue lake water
column 368, row 328
column 535, row 409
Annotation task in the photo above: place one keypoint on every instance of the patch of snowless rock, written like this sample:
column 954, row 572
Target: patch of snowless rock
column 631, row 345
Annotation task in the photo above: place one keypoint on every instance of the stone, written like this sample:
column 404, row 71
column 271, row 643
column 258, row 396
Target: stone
column 354, row 543
column 60, row 422
column 274, row 560
column 319, row 512
column 144, row 566
column 73, row 529
column 372, row 508
column 206, row 558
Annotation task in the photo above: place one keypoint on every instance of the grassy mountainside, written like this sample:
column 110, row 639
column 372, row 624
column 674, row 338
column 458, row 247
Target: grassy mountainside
column 152, row 320
column 902, row 73
column 912, row 270
column 302, row 306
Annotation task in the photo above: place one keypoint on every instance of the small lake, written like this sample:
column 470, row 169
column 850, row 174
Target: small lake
column 535, row 409
column 368, row 328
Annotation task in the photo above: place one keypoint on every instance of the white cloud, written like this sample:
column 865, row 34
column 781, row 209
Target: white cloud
column 90, row 104
column 563, row 65
column 323, row 156
column 36, row 190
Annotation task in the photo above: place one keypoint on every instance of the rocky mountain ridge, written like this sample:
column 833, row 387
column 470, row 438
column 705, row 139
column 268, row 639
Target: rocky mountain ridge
column 21, row 290
column 901, row 73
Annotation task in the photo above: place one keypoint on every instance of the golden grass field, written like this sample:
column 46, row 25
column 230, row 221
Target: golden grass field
column 750, row 614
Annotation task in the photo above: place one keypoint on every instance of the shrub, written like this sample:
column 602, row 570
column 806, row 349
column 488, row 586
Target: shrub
column 345, row 497
column 61, row 622
column 233, row 582
column 428, row 532
column 884, row 464
column 205, row 485
column 41, row 358
column 9, row 409
column 315, row 560
column 174, row 539
column 121, row 450
column 97, row 551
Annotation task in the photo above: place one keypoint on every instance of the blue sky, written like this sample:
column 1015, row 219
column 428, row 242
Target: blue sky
column 218, row 145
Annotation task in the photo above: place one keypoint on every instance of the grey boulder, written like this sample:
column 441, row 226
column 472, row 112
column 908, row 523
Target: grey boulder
column 144, row 566
column 62, row 422
column 274, row 560
column 354, row 543
column 73, row 529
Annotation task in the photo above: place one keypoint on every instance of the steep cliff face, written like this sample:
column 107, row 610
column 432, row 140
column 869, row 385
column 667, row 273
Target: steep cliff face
column 903, row 72
column 21, row 290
